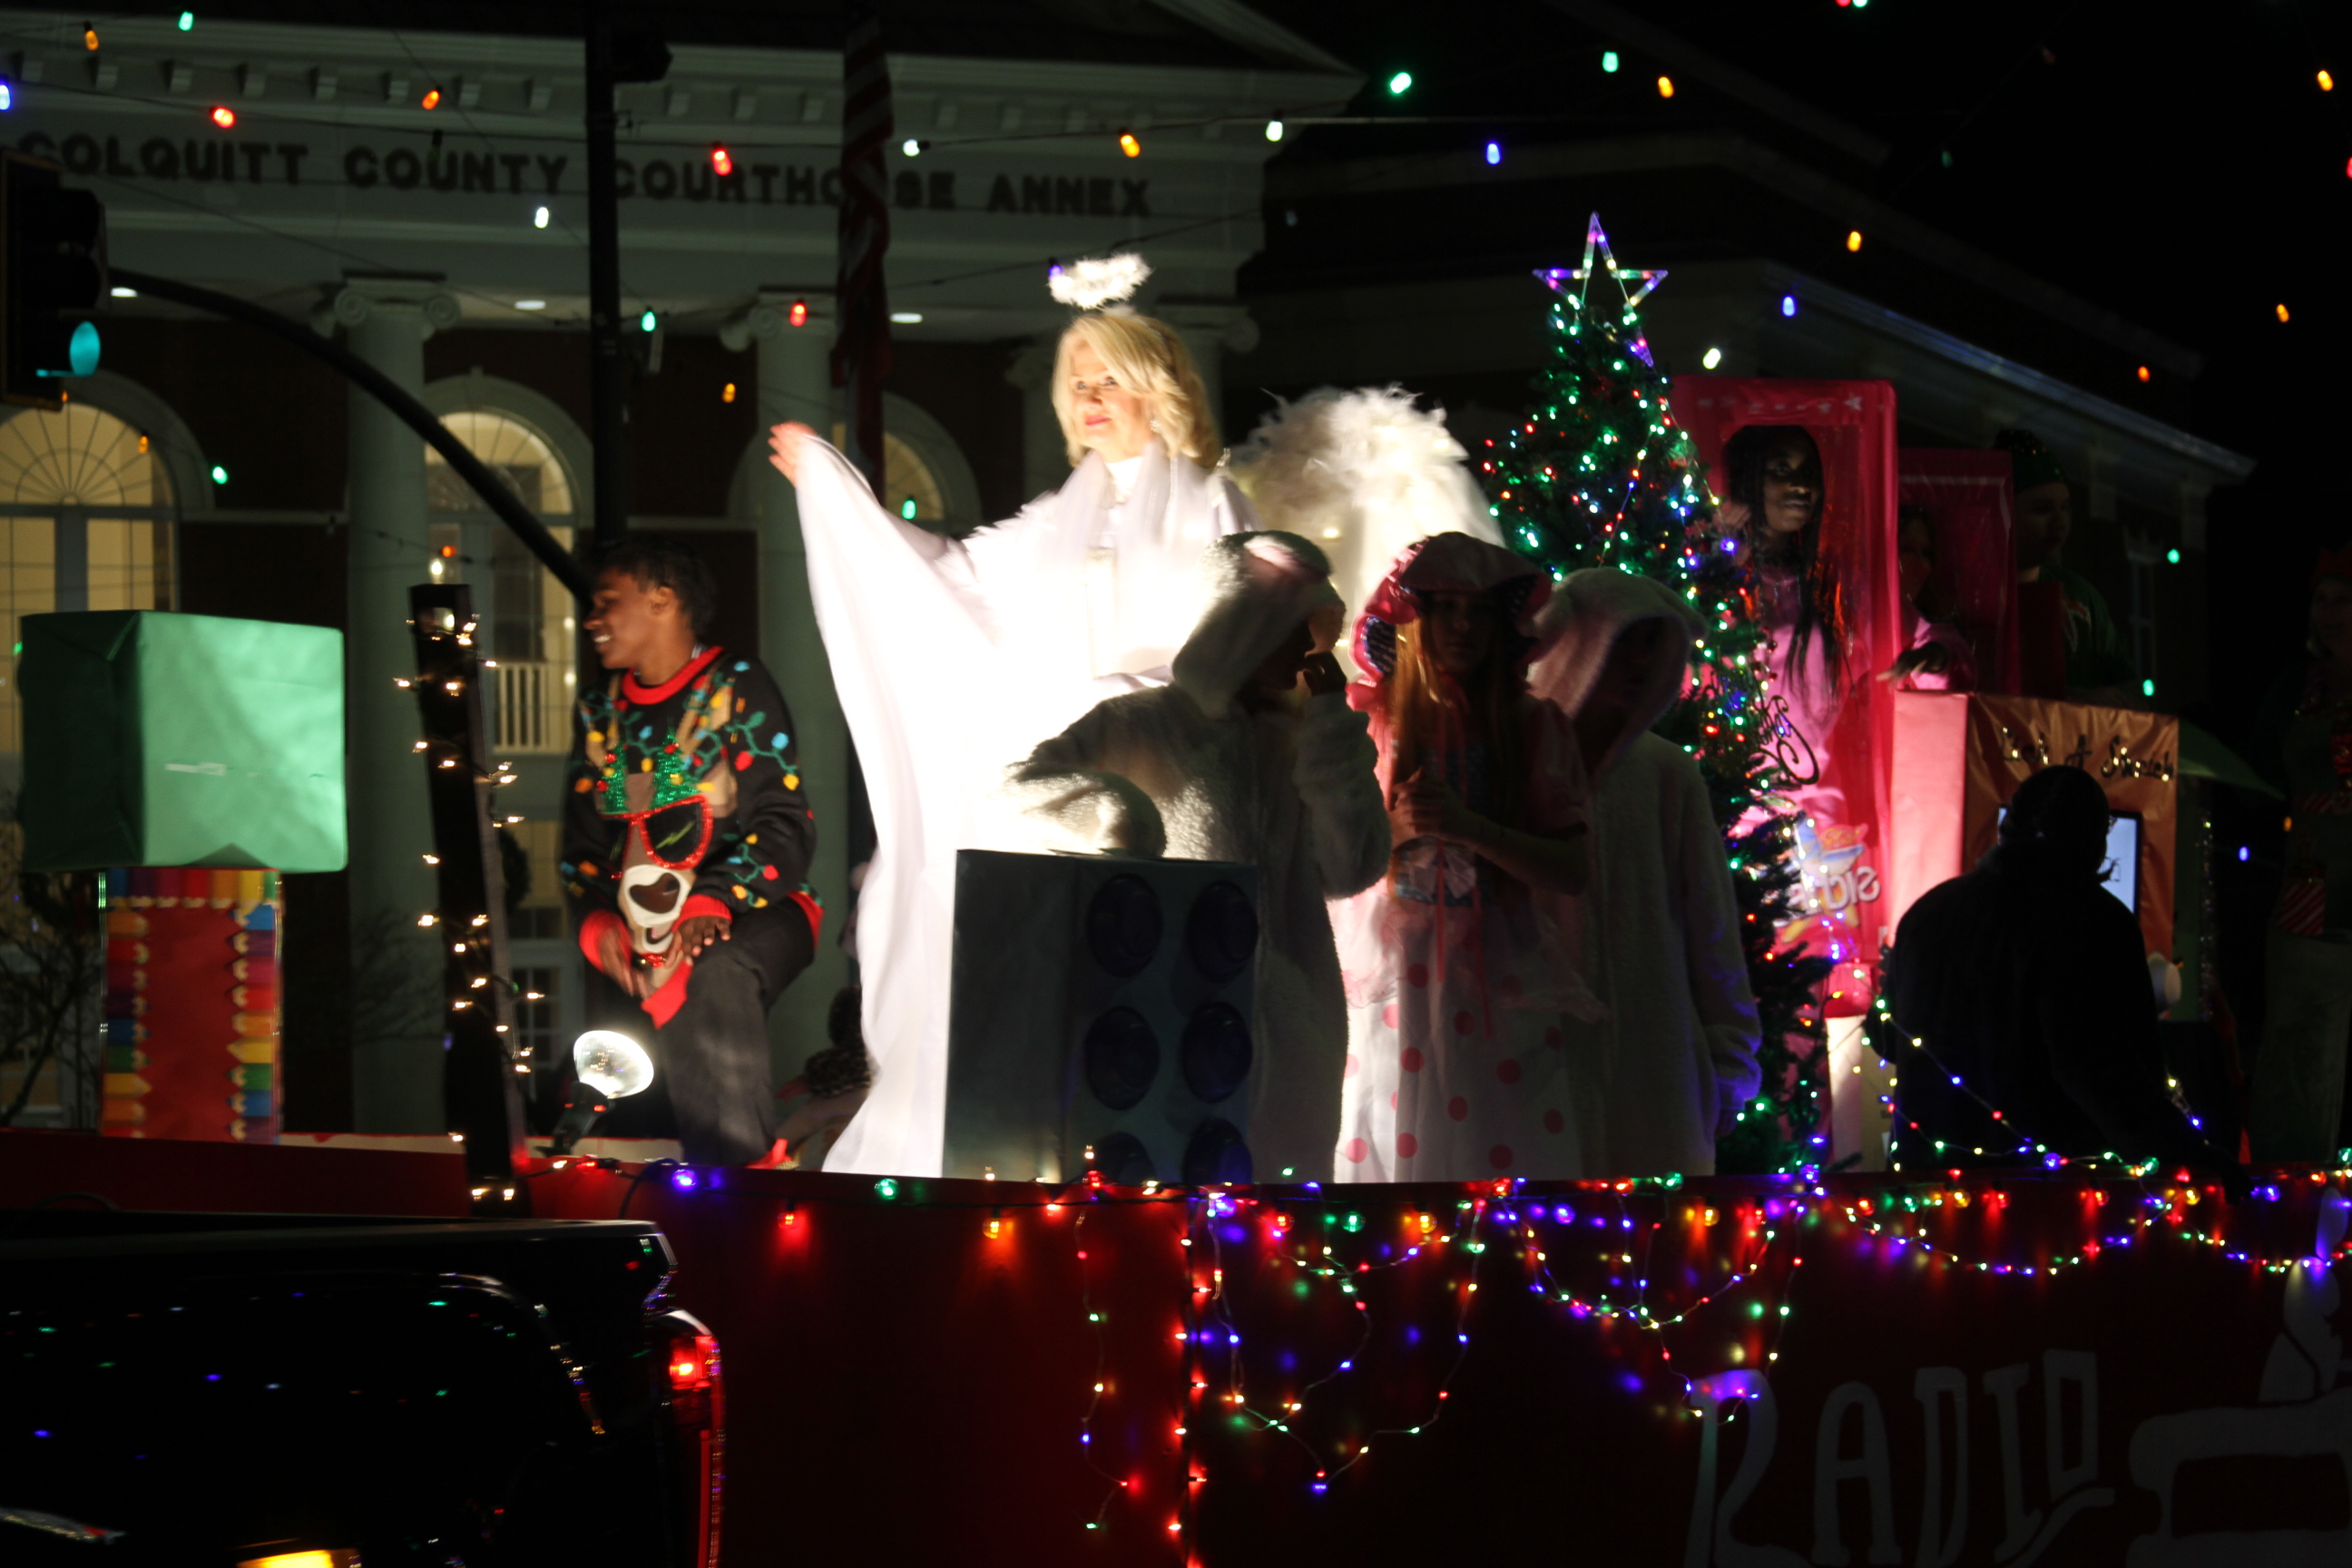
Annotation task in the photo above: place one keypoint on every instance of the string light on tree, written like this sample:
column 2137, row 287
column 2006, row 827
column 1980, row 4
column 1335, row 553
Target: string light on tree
column 1128, row 144
column 1665, row 87
column 722, row 161
column 1598, row 474
column 1853, row 239
column 432, row 99
column 1399, row 84
column 1608, row 61
column 223, row 116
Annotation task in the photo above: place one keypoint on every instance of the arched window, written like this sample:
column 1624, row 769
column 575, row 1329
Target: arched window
column 85, row 525
column 528, row 613
column 925, row 477
column 513, row 450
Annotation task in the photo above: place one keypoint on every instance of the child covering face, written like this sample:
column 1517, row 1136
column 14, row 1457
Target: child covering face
column 1674, row 1059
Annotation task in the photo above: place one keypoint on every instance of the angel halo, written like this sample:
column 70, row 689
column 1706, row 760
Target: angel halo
column 1095, row 282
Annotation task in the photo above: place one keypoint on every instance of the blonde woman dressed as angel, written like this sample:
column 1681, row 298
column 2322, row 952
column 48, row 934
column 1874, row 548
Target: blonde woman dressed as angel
column 954, row 658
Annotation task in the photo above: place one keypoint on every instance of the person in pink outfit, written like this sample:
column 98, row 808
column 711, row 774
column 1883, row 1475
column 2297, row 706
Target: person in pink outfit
column 1460, row 985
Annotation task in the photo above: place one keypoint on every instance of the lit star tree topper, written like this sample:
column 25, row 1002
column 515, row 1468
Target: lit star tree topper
column 1598, row 474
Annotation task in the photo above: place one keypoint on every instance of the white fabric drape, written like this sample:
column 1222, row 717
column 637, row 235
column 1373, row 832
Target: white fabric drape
column 953, row 661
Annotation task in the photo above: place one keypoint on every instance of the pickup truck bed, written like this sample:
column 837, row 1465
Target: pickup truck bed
column 221, row 1389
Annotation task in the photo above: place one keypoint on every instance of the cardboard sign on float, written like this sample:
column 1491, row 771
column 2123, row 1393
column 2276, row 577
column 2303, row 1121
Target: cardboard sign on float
column 1958, row 758
column 1843, row 861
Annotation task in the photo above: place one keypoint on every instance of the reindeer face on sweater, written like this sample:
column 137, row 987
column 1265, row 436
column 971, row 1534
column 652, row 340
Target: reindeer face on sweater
column 658, row 860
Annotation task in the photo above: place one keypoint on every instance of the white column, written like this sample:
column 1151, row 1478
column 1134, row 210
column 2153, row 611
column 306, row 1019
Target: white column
column 396, row 965
column 796, row 383
column 1044, row 453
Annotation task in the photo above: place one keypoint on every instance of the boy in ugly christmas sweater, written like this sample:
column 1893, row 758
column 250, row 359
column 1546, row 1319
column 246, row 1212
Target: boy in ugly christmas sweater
column 686, row 839
column 1251, row 754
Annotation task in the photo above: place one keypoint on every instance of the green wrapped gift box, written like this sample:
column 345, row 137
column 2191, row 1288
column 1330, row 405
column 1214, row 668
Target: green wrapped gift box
column 153, row 738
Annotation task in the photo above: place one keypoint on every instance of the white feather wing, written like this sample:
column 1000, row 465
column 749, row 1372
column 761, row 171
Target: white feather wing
column 1364, row 474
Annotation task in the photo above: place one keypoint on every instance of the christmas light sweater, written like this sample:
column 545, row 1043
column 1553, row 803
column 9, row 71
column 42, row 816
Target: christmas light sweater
column 684, row 799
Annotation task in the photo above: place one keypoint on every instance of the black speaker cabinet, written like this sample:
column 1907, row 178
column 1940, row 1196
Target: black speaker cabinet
column 1105, row 1004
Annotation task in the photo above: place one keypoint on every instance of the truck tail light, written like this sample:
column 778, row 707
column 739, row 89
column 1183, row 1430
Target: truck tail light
column 697, row 1407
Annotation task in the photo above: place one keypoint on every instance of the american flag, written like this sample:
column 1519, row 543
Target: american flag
column 861, row 350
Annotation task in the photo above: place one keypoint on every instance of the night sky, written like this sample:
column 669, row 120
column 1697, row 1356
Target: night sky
column 2191, row 178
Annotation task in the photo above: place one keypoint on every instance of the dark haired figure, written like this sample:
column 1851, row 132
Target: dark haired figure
column 2297, row 1110
column 1774, row 497
column 686, row 839
column 1936, row 654
column 2025, row 983
column 2098, row 670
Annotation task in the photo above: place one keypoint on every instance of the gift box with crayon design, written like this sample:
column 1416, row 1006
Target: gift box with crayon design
column 190, row 1004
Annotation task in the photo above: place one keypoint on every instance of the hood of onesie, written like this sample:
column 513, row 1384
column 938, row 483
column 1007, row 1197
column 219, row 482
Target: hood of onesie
column 1258, row 588
column 1582, row 621
column 1450, row 562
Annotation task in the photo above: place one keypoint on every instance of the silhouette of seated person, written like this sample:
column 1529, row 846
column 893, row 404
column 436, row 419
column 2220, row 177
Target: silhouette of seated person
column 2027, row 981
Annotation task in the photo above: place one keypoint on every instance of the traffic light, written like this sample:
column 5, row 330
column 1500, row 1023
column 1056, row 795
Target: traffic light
column 52, row 277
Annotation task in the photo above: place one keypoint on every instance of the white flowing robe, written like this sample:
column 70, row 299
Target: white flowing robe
column 953, row 659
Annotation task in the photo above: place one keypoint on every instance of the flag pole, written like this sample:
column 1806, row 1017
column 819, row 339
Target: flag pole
column 861, row 349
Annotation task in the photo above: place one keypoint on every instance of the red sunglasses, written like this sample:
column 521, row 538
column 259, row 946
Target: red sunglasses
column 675, row 835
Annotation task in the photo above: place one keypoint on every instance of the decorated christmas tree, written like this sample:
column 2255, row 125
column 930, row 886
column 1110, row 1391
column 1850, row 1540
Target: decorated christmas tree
column 1598, row 474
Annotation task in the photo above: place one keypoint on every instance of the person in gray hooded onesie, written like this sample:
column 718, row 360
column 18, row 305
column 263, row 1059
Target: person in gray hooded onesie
column 1252, row 754
column 1661, row 1078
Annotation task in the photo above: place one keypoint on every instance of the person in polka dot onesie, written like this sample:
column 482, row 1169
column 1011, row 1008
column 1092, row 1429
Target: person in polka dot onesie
column 1460, row 987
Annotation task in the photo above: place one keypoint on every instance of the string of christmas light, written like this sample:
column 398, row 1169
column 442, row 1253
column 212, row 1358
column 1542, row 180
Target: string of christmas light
column 1881, row 1032
column 1285, row 1424
column 1760, row 1239
column 471, row 947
